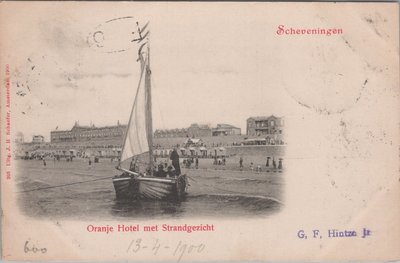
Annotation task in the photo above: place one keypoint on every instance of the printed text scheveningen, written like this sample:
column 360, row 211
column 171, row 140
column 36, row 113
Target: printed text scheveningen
column 283, row 30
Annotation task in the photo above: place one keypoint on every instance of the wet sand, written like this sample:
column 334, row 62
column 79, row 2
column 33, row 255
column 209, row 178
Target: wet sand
column 214, row 191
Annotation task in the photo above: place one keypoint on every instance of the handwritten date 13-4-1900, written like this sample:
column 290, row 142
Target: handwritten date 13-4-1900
column 155, row 247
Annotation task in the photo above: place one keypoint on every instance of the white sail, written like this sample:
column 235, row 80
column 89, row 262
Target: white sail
column 136, row 141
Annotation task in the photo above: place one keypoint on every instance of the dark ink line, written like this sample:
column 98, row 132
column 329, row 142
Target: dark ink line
column 125, row 17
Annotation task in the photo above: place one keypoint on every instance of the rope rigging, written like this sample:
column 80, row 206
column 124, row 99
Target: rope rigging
column 62, row 185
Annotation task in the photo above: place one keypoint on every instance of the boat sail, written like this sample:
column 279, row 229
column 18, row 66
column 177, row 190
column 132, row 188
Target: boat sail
column 134, row 183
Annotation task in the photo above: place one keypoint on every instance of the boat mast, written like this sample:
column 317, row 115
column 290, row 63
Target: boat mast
column 149, row 117
column 146, row 128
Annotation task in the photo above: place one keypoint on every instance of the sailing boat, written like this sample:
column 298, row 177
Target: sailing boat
column 134, row 183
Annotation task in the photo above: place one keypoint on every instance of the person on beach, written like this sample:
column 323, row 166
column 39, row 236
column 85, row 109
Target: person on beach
column 175, row 161
column 241, row 162
column 197, row 162
column 44, row 162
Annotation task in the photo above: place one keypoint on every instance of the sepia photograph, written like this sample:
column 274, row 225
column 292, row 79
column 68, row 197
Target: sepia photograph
column 125, row 141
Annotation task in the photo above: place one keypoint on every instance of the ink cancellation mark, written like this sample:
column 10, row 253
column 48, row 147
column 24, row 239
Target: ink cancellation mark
column 117, row 35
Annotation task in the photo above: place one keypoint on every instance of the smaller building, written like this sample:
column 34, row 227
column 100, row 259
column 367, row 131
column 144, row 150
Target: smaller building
column 19, row 137
column 260, row 126
column 199, row 130
column 37, row 139
column 225, row 130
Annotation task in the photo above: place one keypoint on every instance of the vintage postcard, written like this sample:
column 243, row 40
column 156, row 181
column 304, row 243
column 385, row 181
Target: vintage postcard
column 199, row 131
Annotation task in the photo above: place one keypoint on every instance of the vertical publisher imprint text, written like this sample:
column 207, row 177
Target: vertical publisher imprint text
column 7, row 138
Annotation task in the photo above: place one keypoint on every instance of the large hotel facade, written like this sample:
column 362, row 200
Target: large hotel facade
column 91, row 133
column 87, row 133
column 256, row 126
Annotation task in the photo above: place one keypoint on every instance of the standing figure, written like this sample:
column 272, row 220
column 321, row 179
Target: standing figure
column 241, row 162
column 267, row 164
column 175, row 161
column 197, row 162
column 132, row 166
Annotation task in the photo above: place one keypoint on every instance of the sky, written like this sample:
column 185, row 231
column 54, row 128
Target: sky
column 210, row 64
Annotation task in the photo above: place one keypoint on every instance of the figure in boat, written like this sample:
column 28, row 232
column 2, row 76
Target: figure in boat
column 142, row 180
column 175, row 161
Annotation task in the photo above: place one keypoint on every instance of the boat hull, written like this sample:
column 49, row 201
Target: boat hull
column 131, row 188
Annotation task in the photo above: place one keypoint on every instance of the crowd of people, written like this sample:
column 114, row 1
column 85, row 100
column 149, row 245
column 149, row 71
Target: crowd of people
column 162, row 169
column 173, row 169
column 268, row 164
